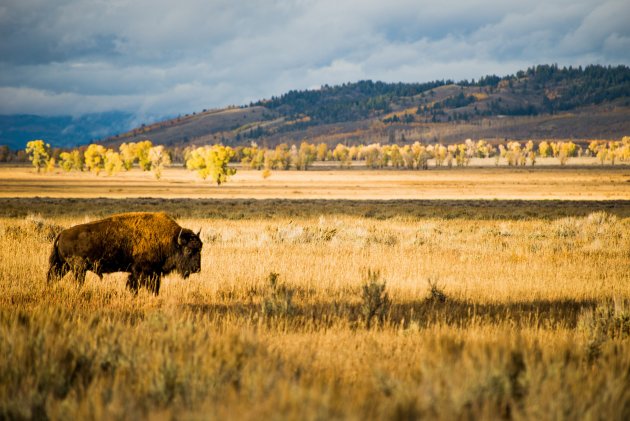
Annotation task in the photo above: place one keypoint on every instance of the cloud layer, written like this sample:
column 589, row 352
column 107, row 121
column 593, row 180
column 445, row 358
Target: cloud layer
column 157, row 57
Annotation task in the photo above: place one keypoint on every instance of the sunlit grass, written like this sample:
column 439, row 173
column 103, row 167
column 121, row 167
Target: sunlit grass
column 483, row 318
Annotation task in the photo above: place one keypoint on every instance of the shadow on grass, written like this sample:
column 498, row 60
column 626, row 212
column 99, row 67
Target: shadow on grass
column 421, row 313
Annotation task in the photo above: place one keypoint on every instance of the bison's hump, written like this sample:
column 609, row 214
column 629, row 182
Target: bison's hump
column 139, row 233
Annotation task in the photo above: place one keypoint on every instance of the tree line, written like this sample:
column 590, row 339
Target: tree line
column 418, row 155
column 213, row 161
column 207, row 161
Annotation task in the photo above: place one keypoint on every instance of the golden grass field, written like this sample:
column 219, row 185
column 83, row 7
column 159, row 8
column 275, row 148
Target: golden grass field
column 367, row 295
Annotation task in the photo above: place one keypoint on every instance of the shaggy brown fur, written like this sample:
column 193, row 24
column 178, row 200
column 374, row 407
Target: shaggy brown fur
column 147, row 245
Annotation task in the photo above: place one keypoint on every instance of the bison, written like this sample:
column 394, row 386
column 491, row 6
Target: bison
column 147, row 245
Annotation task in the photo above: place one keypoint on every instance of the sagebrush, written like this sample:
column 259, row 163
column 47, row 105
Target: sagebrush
column 475, row 318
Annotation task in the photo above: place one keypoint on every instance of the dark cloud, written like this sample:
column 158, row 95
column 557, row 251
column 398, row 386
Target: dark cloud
column 157, row 57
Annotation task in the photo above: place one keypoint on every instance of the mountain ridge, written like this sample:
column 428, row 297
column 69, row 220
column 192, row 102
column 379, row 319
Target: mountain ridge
column 543, row 101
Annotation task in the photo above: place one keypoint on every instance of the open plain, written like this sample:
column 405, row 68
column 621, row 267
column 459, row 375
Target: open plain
column 474, row 293
column 583, row 181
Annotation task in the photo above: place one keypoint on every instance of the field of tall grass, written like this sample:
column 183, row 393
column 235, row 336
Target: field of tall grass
column 328, row 310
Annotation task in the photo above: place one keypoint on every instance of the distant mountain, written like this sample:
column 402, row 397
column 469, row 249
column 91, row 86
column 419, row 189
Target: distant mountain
column 544, row 101
column 63, row 131
column 543, row 89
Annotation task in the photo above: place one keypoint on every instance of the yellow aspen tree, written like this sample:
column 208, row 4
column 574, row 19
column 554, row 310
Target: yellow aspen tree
column 212, row 161
column 544, row 149
column 38, row 153
column 71, row 161
column 142, row 154
column 50, row 164
column 65, row 161
column 160, row 159
column 322, row 151
column 407, row 156
column 128, row 154
column 342, row 154
column 396, row 156
column 95, row 158
column 113, row 162
column 440, row 155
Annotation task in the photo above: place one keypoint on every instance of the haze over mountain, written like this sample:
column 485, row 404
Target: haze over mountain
column 62, row 131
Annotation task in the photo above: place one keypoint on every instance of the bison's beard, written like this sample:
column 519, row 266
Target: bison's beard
column 182, row 265
column 187, row 273
column 186, row 270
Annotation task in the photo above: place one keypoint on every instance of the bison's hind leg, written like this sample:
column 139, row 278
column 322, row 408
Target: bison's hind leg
column 79, row 267
column 79, row 274
column 132, row 283
column 57, row 266
column 57, row 271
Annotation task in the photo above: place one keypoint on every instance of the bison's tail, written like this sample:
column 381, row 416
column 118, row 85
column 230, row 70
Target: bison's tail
column 55, row 262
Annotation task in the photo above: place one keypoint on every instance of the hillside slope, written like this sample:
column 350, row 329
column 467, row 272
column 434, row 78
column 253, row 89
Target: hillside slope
column 540, row 102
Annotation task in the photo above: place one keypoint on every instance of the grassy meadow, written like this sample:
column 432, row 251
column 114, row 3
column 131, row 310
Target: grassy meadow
column 330, row 309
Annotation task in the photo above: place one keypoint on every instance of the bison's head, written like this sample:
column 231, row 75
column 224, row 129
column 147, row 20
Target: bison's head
column 188, row 252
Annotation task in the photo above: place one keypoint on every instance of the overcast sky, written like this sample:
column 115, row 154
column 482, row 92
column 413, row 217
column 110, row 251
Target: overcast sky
column 162, row 57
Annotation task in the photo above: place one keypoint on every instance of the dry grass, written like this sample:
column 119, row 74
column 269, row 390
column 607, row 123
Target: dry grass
column 581, row 182
column 520, row 312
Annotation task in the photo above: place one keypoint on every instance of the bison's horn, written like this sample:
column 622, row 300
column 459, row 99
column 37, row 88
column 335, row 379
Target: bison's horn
column 199, row 232
column 179, row 238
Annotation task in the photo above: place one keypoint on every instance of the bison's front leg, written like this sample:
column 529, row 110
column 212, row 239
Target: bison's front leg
column 132, row 283
column 148, row 279
column 152, row 282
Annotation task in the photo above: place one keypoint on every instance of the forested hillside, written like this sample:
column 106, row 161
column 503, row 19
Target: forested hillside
column 540, row 89
column 541, row 102
column 347, row 102
column 544, row 101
